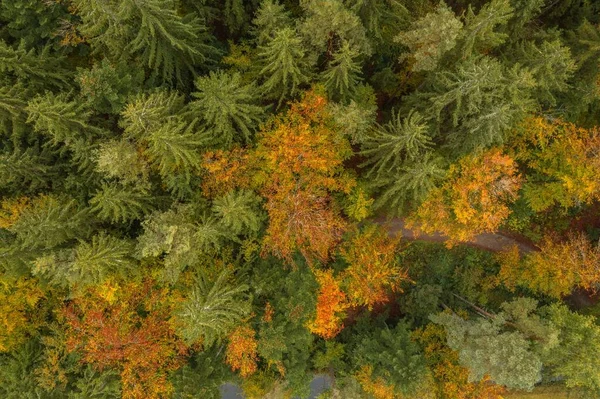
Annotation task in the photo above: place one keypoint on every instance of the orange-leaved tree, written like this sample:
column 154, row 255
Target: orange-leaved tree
column 241, row 353
column 127, row 327
column 331, row 305
column 556, row 270
column 301, row 156
column 373, row 272
column 474, row 199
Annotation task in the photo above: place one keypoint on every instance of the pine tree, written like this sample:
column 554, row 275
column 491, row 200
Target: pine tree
column 388, row 147
column 212, row 309
column 227, row 107
column 239, row 212
column 342, row 75
column 284, row 65
column 430, row 38
column 120, row 204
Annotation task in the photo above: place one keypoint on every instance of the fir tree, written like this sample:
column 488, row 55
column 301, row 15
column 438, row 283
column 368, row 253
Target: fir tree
column 342, row 76
column 227, row 107
column 94, row 384
column 284, row 65
column 212, row 310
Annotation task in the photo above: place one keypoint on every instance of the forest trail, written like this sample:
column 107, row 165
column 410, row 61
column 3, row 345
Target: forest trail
column 494, row 242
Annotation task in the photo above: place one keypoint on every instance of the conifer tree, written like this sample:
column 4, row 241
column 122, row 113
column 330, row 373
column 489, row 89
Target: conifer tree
column 284, row 65
column 62, row 119
column 227, row 107
column 479, row 102
column 388, row 147
column 551, row 65
column 393, row 356
column 38, row 70
column 88, row 263
column 483, row 31
column 50, row 221
column 239, row 212
column 170, row 140
column 329, row 21
column 270, row 18
column 342, row 76
column 119, row 204
column 212, row 309
column 167, row 43
column 410, row 184
column 430, row 37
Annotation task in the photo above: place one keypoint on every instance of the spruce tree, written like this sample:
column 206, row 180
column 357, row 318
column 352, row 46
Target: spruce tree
column 284, row 65
column 227, row 107
column 484, row 30
column 166, row 42
column 270, row 17
column 120, row 204
column 38, row 70
column 342, row 76
column 430, row 38
column 239, row 212
column 388, row 147
column 329, row 23
column 49, row 222
column 212, row 309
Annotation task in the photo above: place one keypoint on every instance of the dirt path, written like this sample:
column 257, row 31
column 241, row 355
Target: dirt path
column 494, row 242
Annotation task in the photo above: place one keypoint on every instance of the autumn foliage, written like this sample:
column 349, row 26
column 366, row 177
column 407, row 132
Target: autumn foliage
column 475, row 199
column 301, row 155
column 556, row 270
column 126, row 327
column 331, row 305
column 373, row 272
column 19, row 314
column 452, row 379
column 241, row 354
column 567, row 158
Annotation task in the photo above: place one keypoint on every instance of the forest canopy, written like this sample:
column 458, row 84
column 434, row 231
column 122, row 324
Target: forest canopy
column 403, row 195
